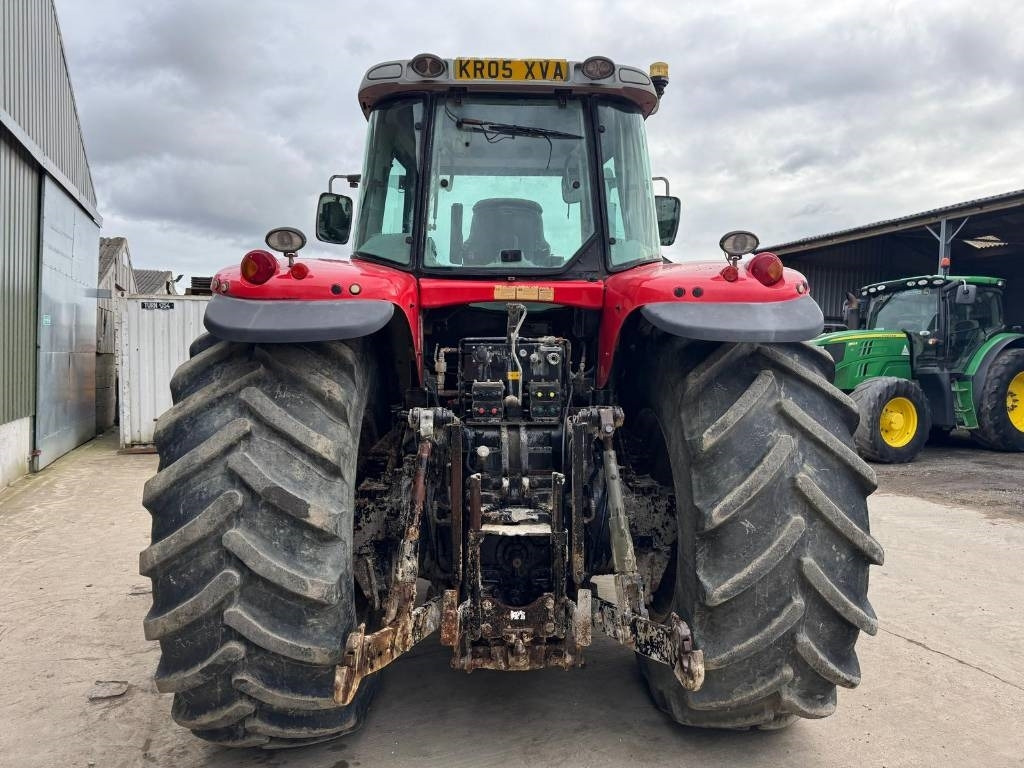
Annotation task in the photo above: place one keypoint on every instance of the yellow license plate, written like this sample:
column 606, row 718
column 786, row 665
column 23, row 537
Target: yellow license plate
column 512, row 69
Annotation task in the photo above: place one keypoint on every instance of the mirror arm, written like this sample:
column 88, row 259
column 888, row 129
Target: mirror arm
column 353, row 180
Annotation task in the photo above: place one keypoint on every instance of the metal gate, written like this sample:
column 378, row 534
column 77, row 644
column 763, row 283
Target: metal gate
column 66, row 382
column 154, row 338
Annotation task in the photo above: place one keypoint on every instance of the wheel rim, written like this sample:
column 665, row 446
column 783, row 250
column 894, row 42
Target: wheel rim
column 898, row 422
column 1015, row 401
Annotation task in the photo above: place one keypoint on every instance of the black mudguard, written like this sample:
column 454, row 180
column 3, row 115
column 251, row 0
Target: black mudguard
column 280, row 321
column 776, row 321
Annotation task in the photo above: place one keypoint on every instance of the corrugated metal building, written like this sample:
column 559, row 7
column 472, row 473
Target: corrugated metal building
column 49, row 238
column 980, row 237
column 155, row 282
column 115, row 278
column 154, row 335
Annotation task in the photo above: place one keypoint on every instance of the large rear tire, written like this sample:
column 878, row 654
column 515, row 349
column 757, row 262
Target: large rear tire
column 895, row 419
column 771, row 568
column 251, row 560
column 1001, row 416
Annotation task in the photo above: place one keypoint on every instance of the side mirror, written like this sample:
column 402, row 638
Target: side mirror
column 333, row 218
column 668, row 209
column 966, row 294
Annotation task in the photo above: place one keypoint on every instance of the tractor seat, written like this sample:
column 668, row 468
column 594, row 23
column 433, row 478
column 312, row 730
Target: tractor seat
column 506, row 223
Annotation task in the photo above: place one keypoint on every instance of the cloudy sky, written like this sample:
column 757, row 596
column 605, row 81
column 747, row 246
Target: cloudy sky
column 209, row 121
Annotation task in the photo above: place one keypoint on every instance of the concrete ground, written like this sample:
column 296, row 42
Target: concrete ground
column 943, row 679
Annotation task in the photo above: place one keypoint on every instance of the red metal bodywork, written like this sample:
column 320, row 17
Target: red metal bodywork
column 672, row 282
column 616, row 297
column 436, row 292
column 373, row 281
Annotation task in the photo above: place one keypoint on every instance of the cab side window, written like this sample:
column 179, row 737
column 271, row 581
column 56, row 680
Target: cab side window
column 984, row 314
column 989, row 309
column 971, row 324
column 384, row 227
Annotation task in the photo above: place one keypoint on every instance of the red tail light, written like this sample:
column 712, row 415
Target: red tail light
column 766, row 268
column 258, row 267
column 299, row 270
column 730, row 274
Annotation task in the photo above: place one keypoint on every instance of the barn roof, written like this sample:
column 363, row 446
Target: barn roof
column 970, row 208
column 153, row 281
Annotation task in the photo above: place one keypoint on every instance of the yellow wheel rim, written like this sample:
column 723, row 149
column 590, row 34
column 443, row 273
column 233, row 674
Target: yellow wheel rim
column 898, row 423
column 1015, row 401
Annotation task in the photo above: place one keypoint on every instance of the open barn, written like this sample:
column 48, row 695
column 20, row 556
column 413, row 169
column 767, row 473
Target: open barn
column 980, row 237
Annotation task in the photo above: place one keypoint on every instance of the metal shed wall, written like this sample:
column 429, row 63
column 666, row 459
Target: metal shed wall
column 154, row 342
column 37, row 103
column 66, row 378
column 19, row 246
column 845, row 268
column 47, row 266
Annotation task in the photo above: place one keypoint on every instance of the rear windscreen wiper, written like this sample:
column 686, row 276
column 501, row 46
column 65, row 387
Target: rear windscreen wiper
column 507, row 129
column 495, row 132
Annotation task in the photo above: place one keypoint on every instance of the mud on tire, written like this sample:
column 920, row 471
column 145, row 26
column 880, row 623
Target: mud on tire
column 251, row 560
column 773, row 550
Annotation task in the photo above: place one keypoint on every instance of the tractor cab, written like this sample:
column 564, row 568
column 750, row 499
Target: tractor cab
column 519, row 167
column 928, row 323
column 947, row 318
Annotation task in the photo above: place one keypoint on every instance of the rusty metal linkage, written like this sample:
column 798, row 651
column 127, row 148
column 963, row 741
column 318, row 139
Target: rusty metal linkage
column 579, row 462
column 366, row 654
column 486, row 633
column 516, row 639
column 670, row 643
column 626, row 620
column 455, row 486
column 475, row 503
column 602, row 423
column 583, row 619
column 404, row 625
column 450, row 618
column 483, row 631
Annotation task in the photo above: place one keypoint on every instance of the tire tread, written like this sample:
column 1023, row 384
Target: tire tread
column 251, row 559
column 765, row 469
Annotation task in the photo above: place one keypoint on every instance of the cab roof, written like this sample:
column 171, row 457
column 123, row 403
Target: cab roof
column 528, row 77
column 922, row 281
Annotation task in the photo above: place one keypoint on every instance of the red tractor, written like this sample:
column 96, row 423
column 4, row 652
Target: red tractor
column 507, row 418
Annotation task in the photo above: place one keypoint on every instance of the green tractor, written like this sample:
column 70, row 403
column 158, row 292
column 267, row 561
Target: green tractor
column 925, row 355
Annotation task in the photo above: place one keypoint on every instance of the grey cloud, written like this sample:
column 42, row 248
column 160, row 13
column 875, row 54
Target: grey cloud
column 208, row 122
